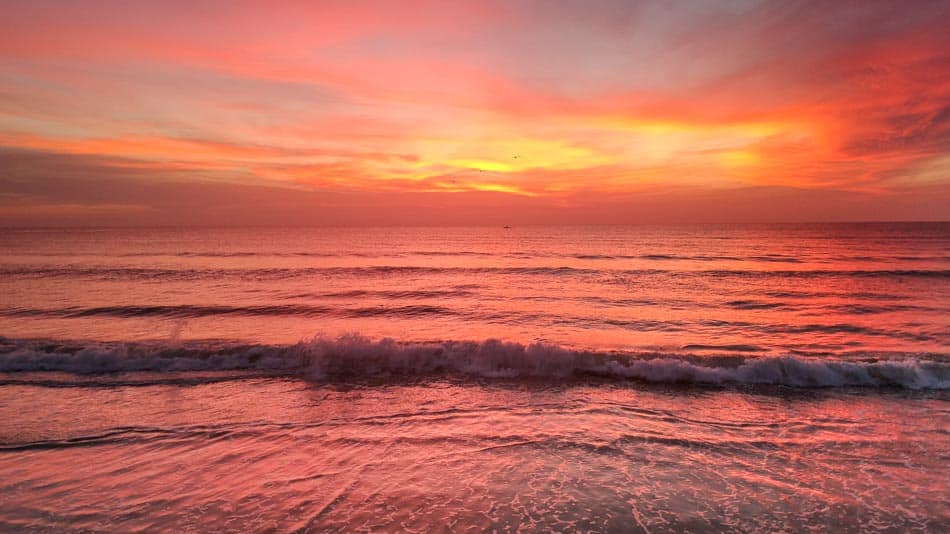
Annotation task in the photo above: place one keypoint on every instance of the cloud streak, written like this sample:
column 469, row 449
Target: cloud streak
column 537, row 105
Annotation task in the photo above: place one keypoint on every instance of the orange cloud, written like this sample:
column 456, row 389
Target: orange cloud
column 500, row 98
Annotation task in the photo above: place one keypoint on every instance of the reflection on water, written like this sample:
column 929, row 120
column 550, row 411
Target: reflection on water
column 751, row 378
column 261, row 453
column 825, row 289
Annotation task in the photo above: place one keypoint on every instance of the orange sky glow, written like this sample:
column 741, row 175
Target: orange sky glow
column 246, row 112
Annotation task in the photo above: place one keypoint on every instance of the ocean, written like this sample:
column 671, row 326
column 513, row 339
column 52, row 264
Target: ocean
column 629, row 378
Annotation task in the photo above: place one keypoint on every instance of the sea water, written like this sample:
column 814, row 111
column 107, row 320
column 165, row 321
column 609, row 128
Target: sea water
column 749, row 377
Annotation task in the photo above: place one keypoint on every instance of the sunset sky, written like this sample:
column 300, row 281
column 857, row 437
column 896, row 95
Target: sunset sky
column 243, row 112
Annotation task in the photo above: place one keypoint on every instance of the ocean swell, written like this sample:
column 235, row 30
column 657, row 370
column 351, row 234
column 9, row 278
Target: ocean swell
column 355, row 357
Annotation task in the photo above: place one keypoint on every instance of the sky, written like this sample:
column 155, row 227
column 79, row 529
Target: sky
column 514, row 112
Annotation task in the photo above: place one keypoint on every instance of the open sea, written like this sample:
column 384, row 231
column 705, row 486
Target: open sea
column 610, row 379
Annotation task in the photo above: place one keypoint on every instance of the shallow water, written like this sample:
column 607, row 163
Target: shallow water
column 259, row 453
column 769, row 377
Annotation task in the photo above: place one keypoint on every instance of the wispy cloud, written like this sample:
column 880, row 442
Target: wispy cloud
column 540, row 102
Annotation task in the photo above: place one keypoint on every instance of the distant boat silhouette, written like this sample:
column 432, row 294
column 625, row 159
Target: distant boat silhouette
column 506, row 226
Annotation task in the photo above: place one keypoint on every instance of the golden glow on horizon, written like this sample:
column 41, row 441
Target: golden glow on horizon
column 369, row 99
column 514, row 155
column 740, row 158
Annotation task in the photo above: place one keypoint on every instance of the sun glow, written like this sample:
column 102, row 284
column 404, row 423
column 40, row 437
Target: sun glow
column 368, row 101
column 740, row 158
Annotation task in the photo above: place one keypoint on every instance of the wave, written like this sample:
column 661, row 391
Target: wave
column 658, row 257
column 180, row 311
column 620, row 276
column 356, row 357
column 145, row 273
column 485, row 314
column 405, row 294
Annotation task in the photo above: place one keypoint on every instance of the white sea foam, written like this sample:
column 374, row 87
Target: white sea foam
column 355, row 356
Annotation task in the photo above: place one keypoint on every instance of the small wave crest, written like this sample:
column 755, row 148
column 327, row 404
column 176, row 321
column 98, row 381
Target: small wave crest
column 183, row 311
column 354, row 357
column 114, row 273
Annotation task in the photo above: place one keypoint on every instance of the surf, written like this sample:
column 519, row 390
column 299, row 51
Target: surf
column 353, row 356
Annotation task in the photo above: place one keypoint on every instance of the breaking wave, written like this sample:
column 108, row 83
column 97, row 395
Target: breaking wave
column 355, row 357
